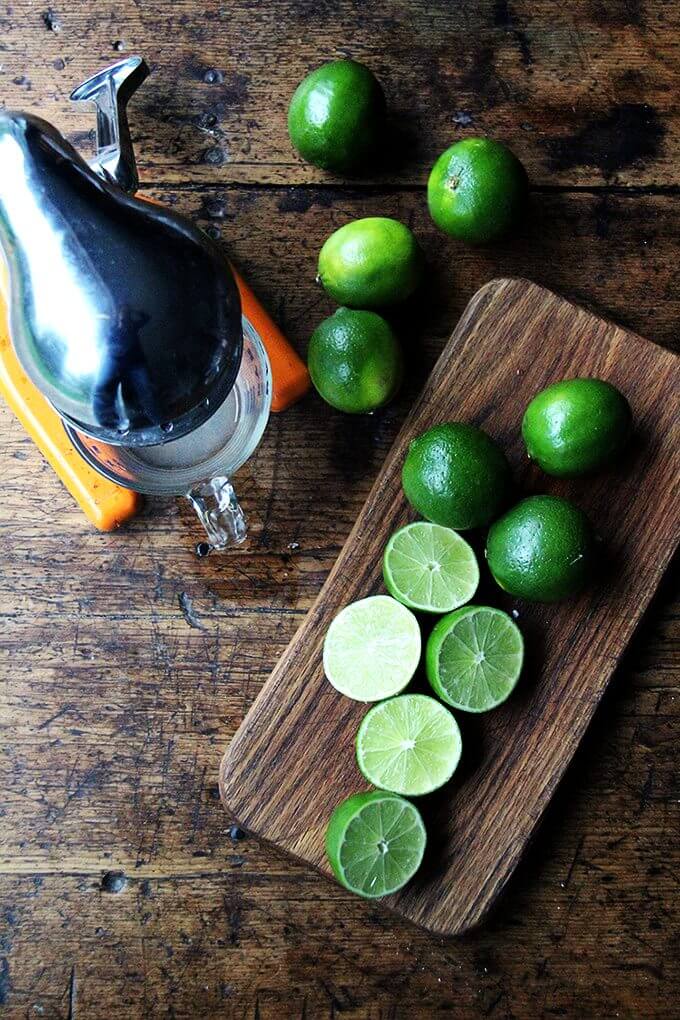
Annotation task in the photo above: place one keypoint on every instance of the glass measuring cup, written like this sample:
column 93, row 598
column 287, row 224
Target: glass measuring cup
column 200, row 464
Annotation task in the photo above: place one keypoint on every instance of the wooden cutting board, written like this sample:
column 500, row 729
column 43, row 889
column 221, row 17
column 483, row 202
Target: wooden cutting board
column 292, row 760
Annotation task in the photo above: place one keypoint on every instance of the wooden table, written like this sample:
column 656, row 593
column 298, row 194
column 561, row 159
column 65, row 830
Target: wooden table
column 127, row 662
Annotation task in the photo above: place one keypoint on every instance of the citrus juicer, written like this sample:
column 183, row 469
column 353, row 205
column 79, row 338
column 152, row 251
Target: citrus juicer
column 128, row 319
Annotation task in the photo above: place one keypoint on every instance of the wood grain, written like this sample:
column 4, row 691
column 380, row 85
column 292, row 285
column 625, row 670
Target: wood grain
column 115, row 710
column 584, row 92
column 292, row 759
column 613, row 252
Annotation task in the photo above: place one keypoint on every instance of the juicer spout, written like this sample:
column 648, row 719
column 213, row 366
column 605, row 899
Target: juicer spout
column 110, row 90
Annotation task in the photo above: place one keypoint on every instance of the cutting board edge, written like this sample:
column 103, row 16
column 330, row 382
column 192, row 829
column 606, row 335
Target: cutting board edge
column 487, row 292
column 392, row 910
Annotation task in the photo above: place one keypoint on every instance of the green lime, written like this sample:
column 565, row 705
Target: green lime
column 474, row 658
column 336, row 116
column 477, row 190
column 576, row 426
column 372, row 649
column 371, row 262
column 409, row 745
column 375, row 843
column 455, row 475
column 542, row 549
column 430, row 568
column 355, row 361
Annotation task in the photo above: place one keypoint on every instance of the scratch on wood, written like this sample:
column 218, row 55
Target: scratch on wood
column 188, row 612
column 72, row 995
column 57, row 715
column 574, row 859
column 646, row 791
column 4, row 981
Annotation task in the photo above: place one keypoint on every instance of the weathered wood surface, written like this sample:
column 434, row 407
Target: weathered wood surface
column 279, row 780
column 115, row 710
column 585, row 92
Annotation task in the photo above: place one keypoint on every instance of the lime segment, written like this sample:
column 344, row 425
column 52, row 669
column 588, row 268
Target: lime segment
column 375, row 843
column 372, row 649
column 409, row 745
column 474, row 658
column 429, row 567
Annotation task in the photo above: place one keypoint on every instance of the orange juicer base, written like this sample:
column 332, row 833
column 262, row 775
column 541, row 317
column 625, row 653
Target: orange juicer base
column 106, row 504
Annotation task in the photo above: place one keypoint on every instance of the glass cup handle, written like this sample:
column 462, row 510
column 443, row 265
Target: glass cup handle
column 219, row 512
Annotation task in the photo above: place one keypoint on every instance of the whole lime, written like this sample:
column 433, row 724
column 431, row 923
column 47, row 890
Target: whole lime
column 576, row 426
column 355, row 361
column 455, row 474
column 542, row 549
column 477, row 190
column 371, row 262
column 336, row 116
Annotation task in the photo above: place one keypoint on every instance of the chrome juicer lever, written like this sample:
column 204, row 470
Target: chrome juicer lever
column 111, row 90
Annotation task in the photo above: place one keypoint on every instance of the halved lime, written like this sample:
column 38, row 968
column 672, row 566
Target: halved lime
column 474, row 658
column 409, row 745
column 372, row 649
column 429, row 567
column 375, row 842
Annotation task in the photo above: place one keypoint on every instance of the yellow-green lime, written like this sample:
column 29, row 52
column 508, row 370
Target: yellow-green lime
column 409, row 745
column 371, row 262
column 543, row 549
column 477, row 190
column 430, row 568
column 375, row 843
column 455, row 475
column 372, row 649
column 355, row 361
column 336, row 116
column 576, row 426
column 474, row 658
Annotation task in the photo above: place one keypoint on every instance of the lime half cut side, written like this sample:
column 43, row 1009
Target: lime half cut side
column 430, row 568
column 375, row 843
column 409, row 745
column 474, row 658
column 372, row 649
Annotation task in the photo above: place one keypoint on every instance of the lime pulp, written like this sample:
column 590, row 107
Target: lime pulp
column 410, row 745
column 430, row 568
column 474, row 658
column 375, row 843
column 372, row 649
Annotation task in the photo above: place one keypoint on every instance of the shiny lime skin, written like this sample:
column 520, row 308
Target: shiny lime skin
column 576, row 426
column 543, row 549
column 477, row 190
column 371, row 262
column 355, row 361
column 455, row 474
column 336, row 116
